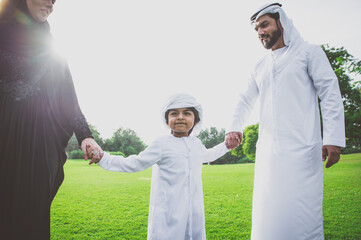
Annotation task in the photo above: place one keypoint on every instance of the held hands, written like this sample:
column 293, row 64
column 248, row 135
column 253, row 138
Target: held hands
column 233, row 139
column 333, row 154
column 94, row 154
column 91, row 150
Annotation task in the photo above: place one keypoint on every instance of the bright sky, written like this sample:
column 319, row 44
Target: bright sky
column 128, row 57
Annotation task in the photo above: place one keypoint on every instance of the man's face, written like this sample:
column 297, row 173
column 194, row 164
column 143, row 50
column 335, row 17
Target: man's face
column 269, row 32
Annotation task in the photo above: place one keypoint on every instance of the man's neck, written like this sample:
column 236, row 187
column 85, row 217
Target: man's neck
column 279, row 44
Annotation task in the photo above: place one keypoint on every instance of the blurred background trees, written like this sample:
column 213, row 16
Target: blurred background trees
column 348, row 70
column 212, row 136
column 124, row 142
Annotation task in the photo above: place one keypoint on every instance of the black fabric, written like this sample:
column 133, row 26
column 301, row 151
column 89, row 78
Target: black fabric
column 39, row 112
column 22, row 35
column 253, row 17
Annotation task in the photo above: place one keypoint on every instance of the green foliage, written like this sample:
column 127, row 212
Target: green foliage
column 96, row 204
column 76, row 154
column 126, row 141
column 248, row 146
column 238, row 152
column 211, row 137
column 250, row 140
column 351, row 149
column 72, row 144
column 241, row 155
column 117, row 153
column 228, row 158
column 130, row 150
column 342, row 194
column 344, row 65
column 108, row 145
column 96, row 136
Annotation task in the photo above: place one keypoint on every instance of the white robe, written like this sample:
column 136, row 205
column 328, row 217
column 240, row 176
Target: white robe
column 176, row 209
column 288, row 181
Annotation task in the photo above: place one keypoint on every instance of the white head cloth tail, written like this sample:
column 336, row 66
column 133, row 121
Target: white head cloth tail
column 183, row 100
column 290, row 34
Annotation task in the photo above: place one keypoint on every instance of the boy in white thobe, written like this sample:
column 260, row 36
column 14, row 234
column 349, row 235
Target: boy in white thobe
column 288, row 182
column 176, row 209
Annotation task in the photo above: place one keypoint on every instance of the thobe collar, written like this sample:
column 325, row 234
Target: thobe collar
column 278, row 52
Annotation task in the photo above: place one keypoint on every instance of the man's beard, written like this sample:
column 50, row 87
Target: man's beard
column 275, row 35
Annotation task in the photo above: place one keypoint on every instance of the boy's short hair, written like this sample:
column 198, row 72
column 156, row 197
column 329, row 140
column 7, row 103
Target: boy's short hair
column 196, row 117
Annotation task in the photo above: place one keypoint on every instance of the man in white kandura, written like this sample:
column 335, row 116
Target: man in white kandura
column 288, row 182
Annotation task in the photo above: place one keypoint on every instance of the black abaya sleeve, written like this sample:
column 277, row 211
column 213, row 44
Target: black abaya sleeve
column 74, row 117
column 81, row 127
column 82, row 130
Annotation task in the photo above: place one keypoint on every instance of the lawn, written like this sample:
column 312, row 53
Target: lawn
column 96, row 204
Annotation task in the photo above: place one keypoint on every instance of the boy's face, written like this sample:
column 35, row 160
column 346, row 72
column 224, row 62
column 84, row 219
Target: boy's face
column 180, row 120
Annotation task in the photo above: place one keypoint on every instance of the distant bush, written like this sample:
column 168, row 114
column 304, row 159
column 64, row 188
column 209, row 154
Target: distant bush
column 349, row 150
column 76, row 154
column 117, row 153
column 125, row 141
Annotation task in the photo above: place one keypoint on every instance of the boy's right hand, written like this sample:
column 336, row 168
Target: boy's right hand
column 233, row 139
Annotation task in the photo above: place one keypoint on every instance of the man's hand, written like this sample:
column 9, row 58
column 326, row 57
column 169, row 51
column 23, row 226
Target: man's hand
column 91, row 150
column 332, row 152
column 233, row 139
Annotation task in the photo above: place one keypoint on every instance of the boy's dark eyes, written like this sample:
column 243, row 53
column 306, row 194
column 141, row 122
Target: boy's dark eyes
column 176, row 113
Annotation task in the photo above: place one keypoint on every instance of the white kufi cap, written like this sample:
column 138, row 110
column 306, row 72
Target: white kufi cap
column 183, row 100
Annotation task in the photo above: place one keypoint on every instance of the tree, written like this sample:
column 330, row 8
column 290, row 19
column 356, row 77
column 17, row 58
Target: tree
column 344, row 65
column 250, row 141
column 76, row 154
column 130, row 150
column 210, row 138
column 108, row 145
column 248, row 146
column 74, row 145
column 96, row 136
column 126, row 141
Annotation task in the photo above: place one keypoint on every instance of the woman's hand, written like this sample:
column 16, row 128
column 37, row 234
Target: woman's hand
column 91, row 150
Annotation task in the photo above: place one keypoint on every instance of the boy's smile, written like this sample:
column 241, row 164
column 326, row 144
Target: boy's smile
column 180, row 120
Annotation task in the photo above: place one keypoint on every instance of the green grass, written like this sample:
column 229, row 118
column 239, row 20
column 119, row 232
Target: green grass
column 96, row 204
column 342, row 199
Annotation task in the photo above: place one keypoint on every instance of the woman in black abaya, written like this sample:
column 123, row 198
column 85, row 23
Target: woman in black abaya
column 39, row 112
